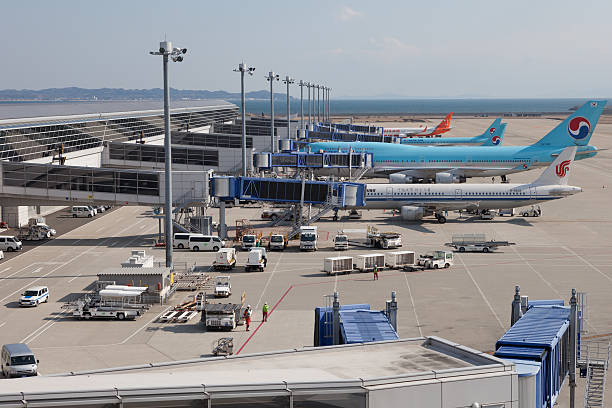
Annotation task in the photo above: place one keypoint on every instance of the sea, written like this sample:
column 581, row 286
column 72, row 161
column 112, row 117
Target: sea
column 347, row 107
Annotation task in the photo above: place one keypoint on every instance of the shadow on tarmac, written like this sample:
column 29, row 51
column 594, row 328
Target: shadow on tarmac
column 144, row 240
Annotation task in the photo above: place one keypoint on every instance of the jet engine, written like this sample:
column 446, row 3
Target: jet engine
column 411, row 213
column 448, row 178
column 398, row 178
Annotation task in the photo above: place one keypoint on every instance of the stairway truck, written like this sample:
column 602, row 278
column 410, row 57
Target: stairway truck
column 367, row 262
column 308, row 238
column 400, row 259
column 338, row 264
column 225, row 259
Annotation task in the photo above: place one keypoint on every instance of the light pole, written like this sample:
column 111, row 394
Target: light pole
column 324, row 104
column 319, row 103
column 302, row 83
column 328, row 105
column 166, row 51
column 272, row 77
column 288, row 80
column 308, row 85
column 242, row 68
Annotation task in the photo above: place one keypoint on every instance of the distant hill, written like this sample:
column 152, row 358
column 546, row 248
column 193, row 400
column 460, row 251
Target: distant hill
column 114, row 94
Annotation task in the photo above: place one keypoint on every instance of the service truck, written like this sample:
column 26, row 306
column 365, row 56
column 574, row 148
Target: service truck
column 223, row 287
column 277, row 242
column 383, row 240
column 256, row 260
column 225, row 259
column 308, row 238
column 222, row 316
column 341, row 242
column 436, row 260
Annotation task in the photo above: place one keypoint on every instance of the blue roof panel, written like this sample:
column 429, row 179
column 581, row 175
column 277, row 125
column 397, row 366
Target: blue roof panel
column 362, row 326
column 547, row 302
column 541, row 326
column 531, row 353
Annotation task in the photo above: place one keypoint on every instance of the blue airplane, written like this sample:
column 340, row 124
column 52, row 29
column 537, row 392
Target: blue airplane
column 407, row 164
column 493, row 136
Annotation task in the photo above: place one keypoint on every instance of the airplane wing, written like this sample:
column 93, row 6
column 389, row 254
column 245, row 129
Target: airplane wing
column 444, row 205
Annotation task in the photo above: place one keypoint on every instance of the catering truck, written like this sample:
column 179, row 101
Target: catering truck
column 308, row 238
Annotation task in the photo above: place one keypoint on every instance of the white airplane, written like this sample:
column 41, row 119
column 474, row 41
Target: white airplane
column 416, row 201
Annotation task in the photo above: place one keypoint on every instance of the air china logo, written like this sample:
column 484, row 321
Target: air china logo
column 562, row 168
column 496, row 140
column 579, row 127
column 492, row 130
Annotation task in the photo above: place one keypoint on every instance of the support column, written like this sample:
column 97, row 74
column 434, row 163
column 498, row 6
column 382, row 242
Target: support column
column 572, row 348
column 222, row 228
column 392, row 311
column 516, row 306
column 336, row 319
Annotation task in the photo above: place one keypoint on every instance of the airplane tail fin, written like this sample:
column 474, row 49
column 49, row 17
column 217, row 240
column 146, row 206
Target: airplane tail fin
column 445, row 124
column 576, row 129
column 558, row 171
column 493, row 135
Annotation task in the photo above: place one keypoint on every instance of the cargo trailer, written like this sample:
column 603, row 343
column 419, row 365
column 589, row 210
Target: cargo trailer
column 338, row 264
column 367, row 263
column 400, row 259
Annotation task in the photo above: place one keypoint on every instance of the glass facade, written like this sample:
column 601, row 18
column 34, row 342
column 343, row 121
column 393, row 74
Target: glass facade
column 156, row 154
column 209, row 140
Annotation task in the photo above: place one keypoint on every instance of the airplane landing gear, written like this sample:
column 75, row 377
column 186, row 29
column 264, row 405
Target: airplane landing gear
column 441, row 218
column 504, row 179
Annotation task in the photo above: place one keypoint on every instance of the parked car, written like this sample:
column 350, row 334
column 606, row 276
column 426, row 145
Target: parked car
column 10, row 243
column 34, row 296
column 17, row 360
column 82, row 211
column 205, row 243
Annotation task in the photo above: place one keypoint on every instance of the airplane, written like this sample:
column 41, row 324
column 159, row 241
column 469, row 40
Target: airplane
column 419, row 200
column 491, row 137
column 442, row 127
column 407, row 164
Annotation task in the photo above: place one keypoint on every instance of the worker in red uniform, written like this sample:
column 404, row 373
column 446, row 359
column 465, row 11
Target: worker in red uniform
column 375, row 272
column 247, row 317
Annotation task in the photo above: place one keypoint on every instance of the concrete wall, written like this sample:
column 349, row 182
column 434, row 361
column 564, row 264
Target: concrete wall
column 15, row 216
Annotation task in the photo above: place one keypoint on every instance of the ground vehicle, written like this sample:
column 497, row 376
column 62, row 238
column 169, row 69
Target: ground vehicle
column 92, row 208
column 384, row 240
column 10, row 243
column 534, row 211
column 487, row 215
column 308, row 238
column 222, row 316
column 120, row 303
column 278, row 241
column 475, row 243
column 338, row 264
column 100, row 208
column 249, row 241
column 223, row 287
column 205, row 243
column 225, row 259
column 435, row 260
column 224, row 346
column 36, row 233
column 181, row 239
column 17, row 360
column 256, row 260
column 34, row 296
column 340, row 242
column 272, row 213
column 82, row 211
column 400, row 259
column 354, row 215
column 367, row 262
column 505, row 211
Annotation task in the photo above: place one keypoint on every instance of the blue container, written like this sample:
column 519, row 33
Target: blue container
column 363, row 326
column 323, row 334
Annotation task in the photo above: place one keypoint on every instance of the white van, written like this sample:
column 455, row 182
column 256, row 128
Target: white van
column 205, row 243
column 10, row 243
column 181, row 239
column 34, row 296
column 92, row 208
column 82, row 211
column 17, row 360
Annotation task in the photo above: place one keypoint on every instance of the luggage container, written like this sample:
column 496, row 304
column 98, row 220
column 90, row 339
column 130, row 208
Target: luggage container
column 338, row 264
column 399, row 259
column 366, row 263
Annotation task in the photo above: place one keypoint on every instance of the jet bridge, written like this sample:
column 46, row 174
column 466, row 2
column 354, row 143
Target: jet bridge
column 305, row 160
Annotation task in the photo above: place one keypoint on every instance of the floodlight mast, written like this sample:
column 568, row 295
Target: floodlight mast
column 288, row 80
column 242, row 68
column 272, row 77
column 176, row 54
column 302, row 83
column 329, row 104
column 309, row 85
column 319, row 103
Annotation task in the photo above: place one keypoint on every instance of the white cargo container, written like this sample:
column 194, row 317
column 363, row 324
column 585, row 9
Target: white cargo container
column 366, row 263
column 225, row 259
column 399, row 259
column 338, row 264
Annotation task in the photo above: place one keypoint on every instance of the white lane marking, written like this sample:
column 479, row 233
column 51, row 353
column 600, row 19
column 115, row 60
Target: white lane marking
column 269, row 280
column 535, row 271
column 49, row 324
column 142, row 226
column 2, row 324
column 37, row 270
column 145, row 325
column 588, row 263
column 5, row 269
column 74, row 278
column 416, row 316
column 69, row 261
column 467, row 270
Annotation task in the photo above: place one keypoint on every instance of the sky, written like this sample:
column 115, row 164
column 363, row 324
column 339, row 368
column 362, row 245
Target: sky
column 361, row 49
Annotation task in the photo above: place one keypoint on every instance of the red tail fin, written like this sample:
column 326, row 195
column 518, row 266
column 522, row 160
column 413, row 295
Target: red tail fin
column 444, row 126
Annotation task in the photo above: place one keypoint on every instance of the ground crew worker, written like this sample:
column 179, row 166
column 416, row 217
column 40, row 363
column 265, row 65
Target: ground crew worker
column 264, row 311
column 375, row 272
column 247, row 317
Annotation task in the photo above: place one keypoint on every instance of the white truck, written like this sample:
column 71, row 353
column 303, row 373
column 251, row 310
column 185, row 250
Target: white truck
column 308, row 238
column 256, row 260
column 383, row 240
column 277, row 242
column 436, row 260
column 225, row 259
column 341, row 242
column 220, row 316
column 338, row 264
column 223, row 287
column 249, row 241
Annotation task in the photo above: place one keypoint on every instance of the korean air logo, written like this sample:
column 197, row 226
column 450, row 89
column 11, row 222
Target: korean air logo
column 496, row 140
column 562, row 168
column 492, row 130
column 579, row 127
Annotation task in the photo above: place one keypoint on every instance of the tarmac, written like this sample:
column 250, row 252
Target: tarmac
column 469, row 303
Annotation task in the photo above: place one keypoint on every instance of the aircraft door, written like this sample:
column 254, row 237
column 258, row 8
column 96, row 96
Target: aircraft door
column 458, row 193
column 389, row 192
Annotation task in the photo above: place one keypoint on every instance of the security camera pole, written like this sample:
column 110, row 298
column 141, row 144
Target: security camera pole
column 242, row 68
column 166, row 51
column 271, row 77
column 288, row 80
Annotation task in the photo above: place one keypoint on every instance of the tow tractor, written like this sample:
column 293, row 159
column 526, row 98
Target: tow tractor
column 534, row 211
column 384, row 240
column 222, row 316
column 436, row 260
column 224, row 346
column 475, row 243
column 223, row 287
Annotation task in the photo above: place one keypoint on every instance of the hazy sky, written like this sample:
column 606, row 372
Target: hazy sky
column 369, row 48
